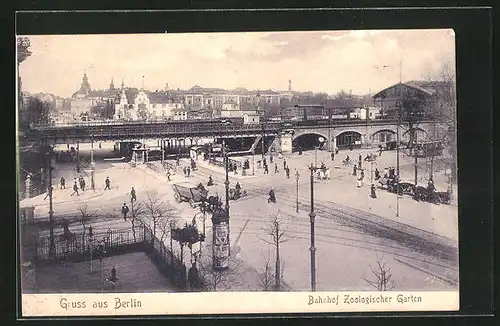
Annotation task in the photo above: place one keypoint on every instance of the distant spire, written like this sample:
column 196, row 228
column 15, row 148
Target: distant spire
column 289, row 85
column 111, row 85
column 142, row 84
column 123, row 84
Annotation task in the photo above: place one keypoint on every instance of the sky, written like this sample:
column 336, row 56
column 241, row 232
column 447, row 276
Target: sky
column 363, row 61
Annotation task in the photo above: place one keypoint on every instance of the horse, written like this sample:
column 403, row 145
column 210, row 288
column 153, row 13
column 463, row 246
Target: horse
column 323, row 174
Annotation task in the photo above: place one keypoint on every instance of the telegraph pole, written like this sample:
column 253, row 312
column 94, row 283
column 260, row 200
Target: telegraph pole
column 312, row 216
column 226, row 158
column 51, row 211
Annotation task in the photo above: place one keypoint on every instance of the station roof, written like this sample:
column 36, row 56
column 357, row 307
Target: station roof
column 428, row 88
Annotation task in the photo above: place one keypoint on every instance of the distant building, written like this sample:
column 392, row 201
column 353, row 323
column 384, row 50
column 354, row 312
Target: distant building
column 85, row 98
column 136, row 104
column 366, row 113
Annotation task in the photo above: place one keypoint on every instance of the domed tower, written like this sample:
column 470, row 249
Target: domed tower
column 85, row 84
column 112, row 85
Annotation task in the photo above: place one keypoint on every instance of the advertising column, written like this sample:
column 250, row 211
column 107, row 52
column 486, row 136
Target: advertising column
column 220, row 225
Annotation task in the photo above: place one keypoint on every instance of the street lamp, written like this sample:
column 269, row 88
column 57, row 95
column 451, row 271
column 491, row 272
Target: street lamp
column 253, row 162
column 91, row 240
column 312, row 216
column 297, row 176
column 226, row 183
column 92, row 163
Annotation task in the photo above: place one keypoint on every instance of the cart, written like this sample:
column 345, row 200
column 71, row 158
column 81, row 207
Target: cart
column 186, row 192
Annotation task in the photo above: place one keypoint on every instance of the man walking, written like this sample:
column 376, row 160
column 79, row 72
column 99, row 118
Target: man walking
column 272, row 196
column 125, row 211
column 82, row 183
column 132, row 195
column 188, row 170
column 276, row 168
column 284, row 164
column 108, row 184
column 372, row 191
column 62, row 183
column 332, row 155
column 287, row 172
column 75, row 190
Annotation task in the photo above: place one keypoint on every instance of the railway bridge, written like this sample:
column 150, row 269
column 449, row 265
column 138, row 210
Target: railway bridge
column 285, row 135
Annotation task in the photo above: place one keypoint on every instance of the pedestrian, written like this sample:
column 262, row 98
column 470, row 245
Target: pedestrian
column 377, row 174
column 112, row 279
column 336, row 150
column 359, row 158
column 362, row 174
column 360, row 183
column 62, row 183
column 193, row 277
column 386, row 173
column 133, row 196
column 271, row 159
column 265, row 162
column 125, row 211
column 108, row 184
column 169, row 174
column 178, row 161
column 354, row 170
column 235, row 169
column 49, row 192
column 332, row 155
column 372, row 191
column 82, row 183
column 272, row 196
column 188, row 170
column 284, row 164
column 276, row 168
column 75, row 190
column 210, row 181
column 379, row 150
column 185, row 171
column 266, row 169
column 287, row 172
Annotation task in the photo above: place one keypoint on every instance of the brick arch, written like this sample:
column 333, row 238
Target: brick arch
column 309, row 132
column 340, row 132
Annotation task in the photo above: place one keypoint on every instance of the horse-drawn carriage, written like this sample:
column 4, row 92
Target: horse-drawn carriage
column 322, row 173
column 431, row 196
column 186, row 192
column 419, row 193
column 235, row 195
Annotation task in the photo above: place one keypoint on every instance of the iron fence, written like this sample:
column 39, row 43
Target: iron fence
column 80, row 247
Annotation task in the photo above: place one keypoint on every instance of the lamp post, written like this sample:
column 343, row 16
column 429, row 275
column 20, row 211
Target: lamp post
column 92, row 163
column 312, row 216
column 253, row 162
column 51, row 211
column 91, row 240
column 297, row 176
column 226, row 183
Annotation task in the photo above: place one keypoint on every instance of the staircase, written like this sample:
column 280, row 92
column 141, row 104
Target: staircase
column 255, row 143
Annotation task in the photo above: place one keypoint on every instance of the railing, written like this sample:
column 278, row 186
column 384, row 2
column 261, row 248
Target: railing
column 81, row 247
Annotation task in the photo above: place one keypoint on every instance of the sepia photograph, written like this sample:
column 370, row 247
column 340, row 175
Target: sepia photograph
column 314, row 165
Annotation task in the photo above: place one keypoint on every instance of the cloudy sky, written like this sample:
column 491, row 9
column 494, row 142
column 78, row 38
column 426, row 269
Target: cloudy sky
column 319, row 61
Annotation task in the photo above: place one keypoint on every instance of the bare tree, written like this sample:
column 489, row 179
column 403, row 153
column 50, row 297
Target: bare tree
column 277, row 232
column 266, row 277
column 136, row 213
column 157, row 211
column 445, row 110
column 85, row 216
column 219, row 279
column 383, row 277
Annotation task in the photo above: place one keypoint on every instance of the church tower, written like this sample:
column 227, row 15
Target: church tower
column 85, row 84
column 112, row 85
column 289, row 85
